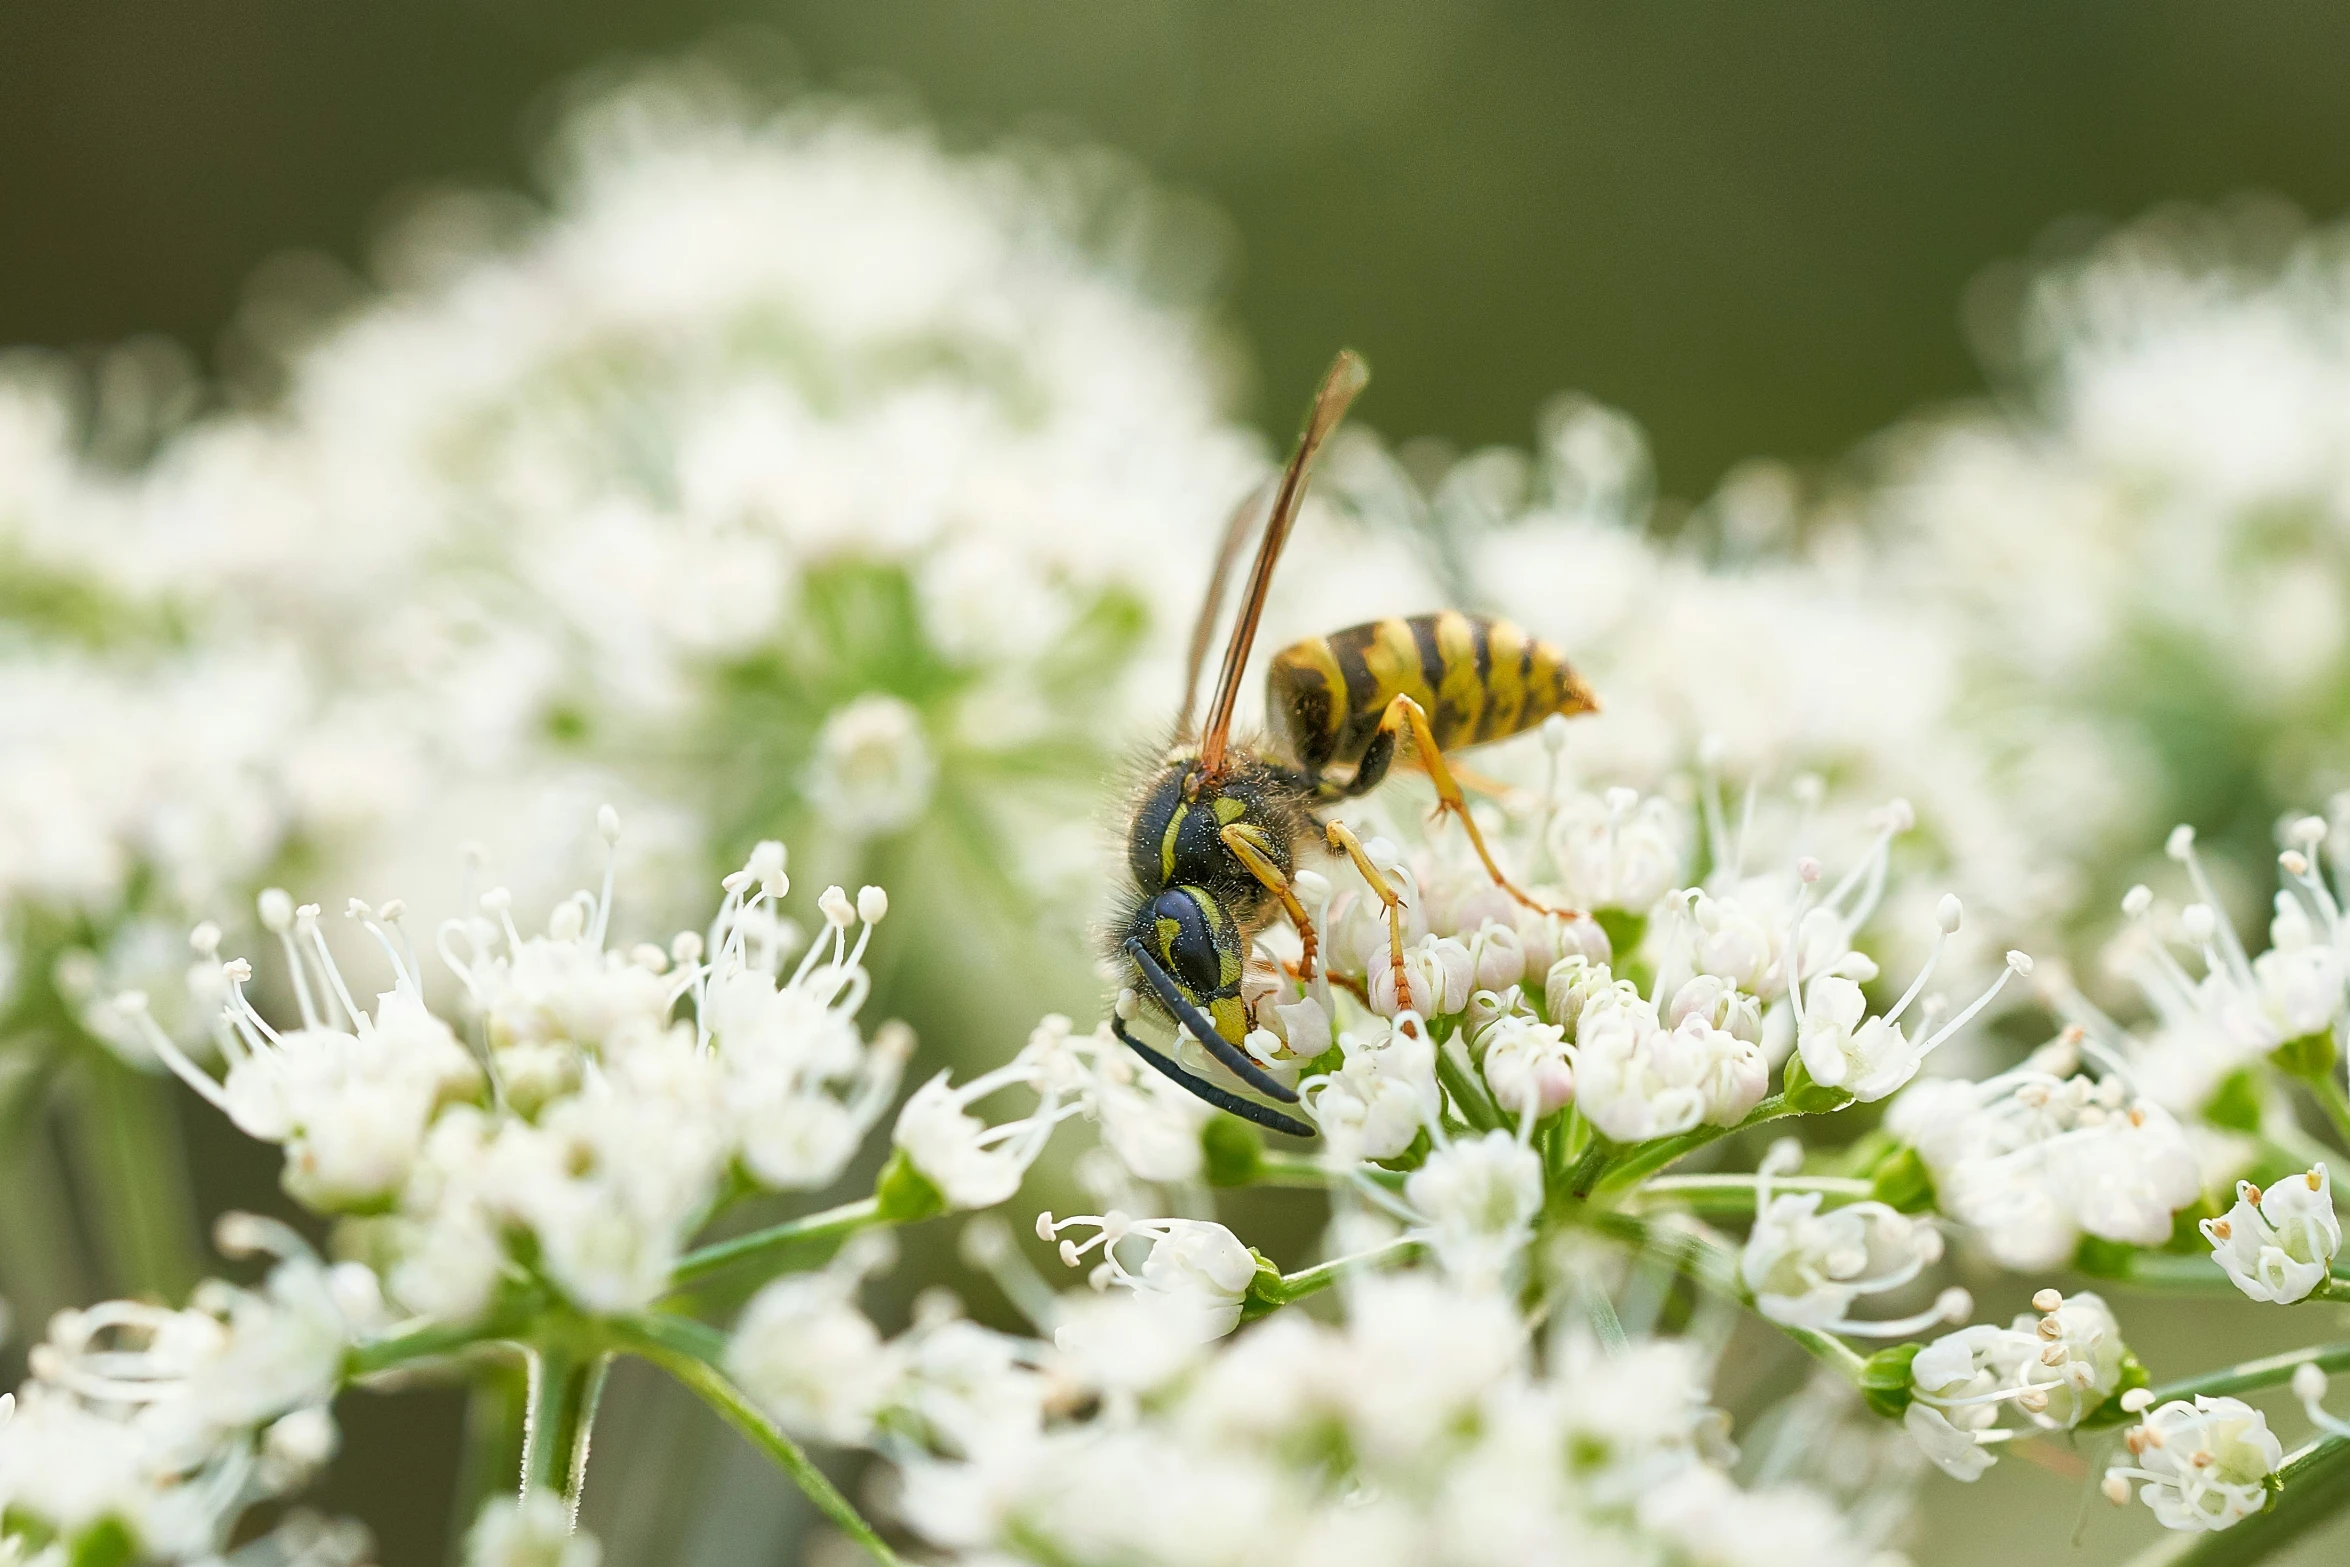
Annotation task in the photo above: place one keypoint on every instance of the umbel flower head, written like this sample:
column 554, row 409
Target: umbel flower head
column 585, row 1136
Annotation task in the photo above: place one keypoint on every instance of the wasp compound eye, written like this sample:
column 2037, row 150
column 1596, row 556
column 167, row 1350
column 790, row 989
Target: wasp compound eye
column 1187, row 942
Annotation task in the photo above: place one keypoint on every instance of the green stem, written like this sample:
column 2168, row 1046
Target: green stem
column 566, row 1383
column 2169, row 1273
column 1652, row 1157
column 693, row 1353
column 779, row 1245
column 2334, row 1102
column 1460, row 1082
column 1291, row 1169
column 2265, row 1372
column 428, row 1340
column 1733, row 1195
column 491, row 1452
column 1268, row 1294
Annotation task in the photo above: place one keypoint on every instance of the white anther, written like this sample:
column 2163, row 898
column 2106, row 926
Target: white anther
column 277, row 910
column 1807, row 869
column 835, row 906
column 205, row 939
column 685, row 948
column 238, row 970
column 2309, row 831
column 1947, row 913
column 497, row 900
column 356, row 909
column 2047, row 1300
column 2309, row 1382
column 2295, row 863
column 2020, row 963
column 391, row 912
column 872, row 905
column 1314, row 888
column 2180, row 843
column 2137, row 901
column 736, row 881
column 2138, row 1399
column 1954, row 1305
column 1554, row 732
column 2197, row 923
column 608, row 823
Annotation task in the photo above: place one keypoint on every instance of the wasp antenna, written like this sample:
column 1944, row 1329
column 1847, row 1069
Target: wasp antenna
column 1247, row 1109
column 1345, row 378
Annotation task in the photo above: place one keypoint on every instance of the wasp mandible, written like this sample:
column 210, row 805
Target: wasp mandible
column 1219, row 827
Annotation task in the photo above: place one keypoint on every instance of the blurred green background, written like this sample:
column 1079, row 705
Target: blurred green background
column 1754, row 228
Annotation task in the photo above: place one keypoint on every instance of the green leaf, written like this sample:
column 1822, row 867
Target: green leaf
column 1624, row 930
column 1884, row 1379
column 1902, row 1182
column 2111, row 1413
column 1806, row 1097
column 2310, row 1057
column 2103, row 1259
column 1230, row 1154
column 904, row 1193
column 2235, row 1105
column 106, row 1543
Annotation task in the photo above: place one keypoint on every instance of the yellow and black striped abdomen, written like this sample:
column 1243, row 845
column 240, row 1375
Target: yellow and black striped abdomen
column 1478, row 680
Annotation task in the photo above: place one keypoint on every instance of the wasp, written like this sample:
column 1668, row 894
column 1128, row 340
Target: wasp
column 1219, row 827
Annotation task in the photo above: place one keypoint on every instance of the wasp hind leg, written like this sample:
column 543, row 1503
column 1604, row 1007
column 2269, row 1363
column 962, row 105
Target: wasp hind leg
column 1247, row 1109
column 1403, row 713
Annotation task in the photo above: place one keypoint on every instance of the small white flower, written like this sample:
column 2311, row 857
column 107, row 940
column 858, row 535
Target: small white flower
column 1526, row 1065
column 1476, row 1201
column 873, row 771
column 532, row 1531
column 2031, row 1161
column 1375, row 1104
column 2201, row 1466
column 1638, row 1081
column 973, row 1164
column 1199, row 1271
column 811, row 1358
column 2279, row 1245
column 1807, row 1269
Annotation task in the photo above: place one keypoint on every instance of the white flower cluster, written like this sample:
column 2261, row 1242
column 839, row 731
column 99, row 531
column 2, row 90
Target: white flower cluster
column 2055, row 1367
column 1544, row 1009
column 147, row 1433
column 596, row 1129
column 2150, row 528
column 1426, row 1427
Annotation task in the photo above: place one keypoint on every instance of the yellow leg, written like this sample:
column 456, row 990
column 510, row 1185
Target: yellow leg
column 1342, row 839
column 1248, row 846
column 1404, row 712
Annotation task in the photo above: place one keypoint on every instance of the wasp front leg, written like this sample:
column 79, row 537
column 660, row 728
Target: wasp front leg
column 1341, row 838
column 1404, row 713
column 1249, row 846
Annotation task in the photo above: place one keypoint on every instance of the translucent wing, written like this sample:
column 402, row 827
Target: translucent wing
column 1236, row 532
column 1346, row 377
